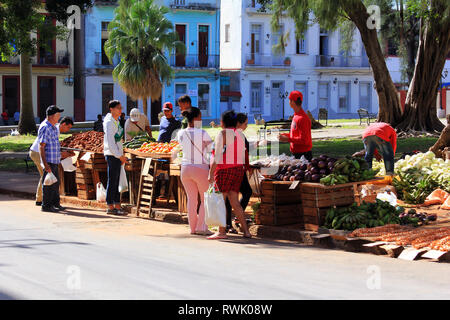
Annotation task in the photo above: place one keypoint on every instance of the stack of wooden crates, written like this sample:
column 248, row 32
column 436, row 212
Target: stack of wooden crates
column 279, row 204
column 317, row 199
column 88, row 175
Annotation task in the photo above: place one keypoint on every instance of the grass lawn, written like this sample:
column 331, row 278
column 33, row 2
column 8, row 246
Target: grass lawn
column 342, row 147
column 16, row 165
column 20, row 143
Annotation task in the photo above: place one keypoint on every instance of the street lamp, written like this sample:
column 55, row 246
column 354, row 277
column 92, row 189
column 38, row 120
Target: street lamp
column 283, row 96
column 443, row 76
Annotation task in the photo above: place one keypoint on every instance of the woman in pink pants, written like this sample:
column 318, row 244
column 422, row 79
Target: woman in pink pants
column 196, row 144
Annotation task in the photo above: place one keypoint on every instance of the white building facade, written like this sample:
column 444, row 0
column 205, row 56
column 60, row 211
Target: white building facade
column 254, row 77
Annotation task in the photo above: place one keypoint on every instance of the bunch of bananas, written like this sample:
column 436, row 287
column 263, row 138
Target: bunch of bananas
column 349, row 169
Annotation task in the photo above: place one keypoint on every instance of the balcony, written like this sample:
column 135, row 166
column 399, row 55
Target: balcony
column 341, row 62
column 192, row 5
column 253, row 7
column 102, row 62
column 267, row 61
column 47, row 59
column 194, row 61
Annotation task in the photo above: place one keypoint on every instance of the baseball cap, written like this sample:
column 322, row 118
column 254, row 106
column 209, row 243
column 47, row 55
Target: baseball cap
column 52, row 110
column 135, row 114
column 295, row 95
column 168, row 106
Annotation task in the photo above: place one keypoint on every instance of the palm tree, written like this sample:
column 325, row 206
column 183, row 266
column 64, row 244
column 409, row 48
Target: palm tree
column 140, row 34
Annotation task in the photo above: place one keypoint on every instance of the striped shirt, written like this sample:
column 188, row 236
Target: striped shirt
column 49, row 134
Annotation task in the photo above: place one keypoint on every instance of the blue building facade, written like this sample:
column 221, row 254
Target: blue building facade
column 196, row 71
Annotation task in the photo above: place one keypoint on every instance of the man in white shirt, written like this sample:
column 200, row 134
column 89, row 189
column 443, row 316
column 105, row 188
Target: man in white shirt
column 137, row 122
column 64, row 126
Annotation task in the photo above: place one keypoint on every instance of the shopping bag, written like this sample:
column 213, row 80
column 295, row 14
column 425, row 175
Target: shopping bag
column 50, row 179
column 67, row 165
column 101, row 192
column 215, row 211
column 123, row 182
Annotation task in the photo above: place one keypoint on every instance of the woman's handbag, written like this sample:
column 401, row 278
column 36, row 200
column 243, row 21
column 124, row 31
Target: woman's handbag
column 215, row 211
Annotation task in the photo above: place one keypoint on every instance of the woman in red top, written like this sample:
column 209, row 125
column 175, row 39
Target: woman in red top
column 227, row 169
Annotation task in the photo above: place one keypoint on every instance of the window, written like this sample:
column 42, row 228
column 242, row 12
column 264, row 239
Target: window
column 105, row 60
column 344, row 96
column 203, row 98
column 105, row 25
column 107, row 96
column 324, row 95
column 180, row 90
column 227, row 33
column 364, row 95
column 303, row 88
column 255, row 38
column 256, row 102
column 301, row 45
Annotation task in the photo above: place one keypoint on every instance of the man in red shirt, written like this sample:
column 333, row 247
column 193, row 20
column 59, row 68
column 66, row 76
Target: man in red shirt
column 300, row 135
column 380, row 137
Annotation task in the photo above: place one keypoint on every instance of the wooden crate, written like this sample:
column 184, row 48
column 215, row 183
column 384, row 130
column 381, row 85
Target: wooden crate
column 278, row 193
column 278, row 215
column 317, row 200
column 86, row 194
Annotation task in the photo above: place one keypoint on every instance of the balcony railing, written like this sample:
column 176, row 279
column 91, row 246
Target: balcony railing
column 102, row 61
column 192, row 5
column 195, row 61
column 341, row 62
column 261, row 60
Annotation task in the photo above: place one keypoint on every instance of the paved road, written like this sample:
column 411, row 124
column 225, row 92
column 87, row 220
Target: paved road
column 88, row 255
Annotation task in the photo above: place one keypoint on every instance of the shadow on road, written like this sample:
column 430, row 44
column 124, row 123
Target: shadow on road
column 5, row 296
column 73, row 213
column 21, row 243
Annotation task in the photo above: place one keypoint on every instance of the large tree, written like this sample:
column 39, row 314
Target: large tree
column 420, row 109
column 333, row 14
column 140, row 35
column 434, row 46
column 19, row 20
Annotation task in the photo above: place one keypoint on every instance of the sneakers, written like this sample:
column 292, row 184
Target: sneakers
column 38, row 203
column 116, row 212
column 60, row 208
column 54, row 210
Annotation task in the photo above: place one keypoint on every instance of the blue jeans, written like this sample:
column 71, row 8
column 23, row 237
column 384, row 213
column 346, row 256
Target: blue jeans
column 372, row 143
column 112, row 189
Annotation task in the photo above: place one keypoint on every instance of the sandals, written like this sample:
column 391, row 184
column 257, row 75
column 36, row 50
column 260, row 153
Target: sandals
column 217, row 236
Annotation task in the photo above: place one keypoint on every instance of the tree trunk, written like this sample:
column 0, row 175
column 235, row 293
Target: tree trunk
column 145, row 106
column 420, row 106
column 389, row 102
column 26, row 122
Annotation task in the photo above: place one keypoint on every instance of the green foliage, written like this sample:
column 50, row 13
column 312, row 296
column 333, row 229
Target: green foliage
column 140, row 34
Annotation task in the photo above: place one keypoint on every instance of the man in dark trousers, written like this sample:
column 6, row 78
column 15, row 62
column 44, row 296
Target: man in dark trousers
column 300, row 135
column 49, row 149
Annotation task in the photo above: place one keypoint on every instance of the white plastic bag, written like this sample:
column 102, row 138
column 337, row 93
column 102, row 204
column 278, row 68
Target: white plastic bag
column 123, row 182
column 50, row 179
column 67, row 165
column 101, row 192
column 388, row 197
column 215, row 211
column 86, row 157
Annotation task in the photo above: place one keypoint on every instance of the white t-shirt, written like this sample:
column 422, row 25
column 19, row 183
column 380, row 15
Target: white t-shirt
column 192, row 141
column 35, row 146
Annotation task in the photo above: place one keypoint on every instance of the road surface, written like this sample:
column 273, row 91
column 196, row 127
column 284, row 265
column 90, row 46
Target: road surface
column 87, row 255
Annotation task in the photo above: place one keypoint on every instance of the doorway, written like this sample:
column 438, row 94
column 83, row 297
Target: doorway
column 180, row 58
column 11, row 94
column 46, row 95
column 203, row 39
column 275, row 101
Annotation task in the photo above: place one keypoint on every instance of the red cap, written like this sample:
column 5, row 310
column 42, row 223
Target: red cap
column 295, row 95
column 168, row 106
